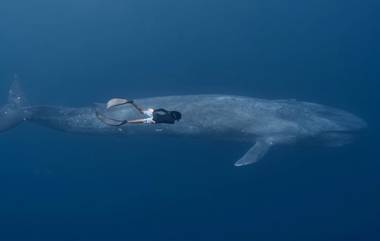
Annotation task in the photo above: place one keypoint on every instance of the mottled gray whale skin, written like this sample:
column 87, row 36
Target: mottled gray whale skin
column 264, row 123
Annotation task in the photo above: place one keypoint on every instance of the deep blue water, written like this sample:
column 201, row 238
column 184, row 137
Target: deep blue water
column 57, row 186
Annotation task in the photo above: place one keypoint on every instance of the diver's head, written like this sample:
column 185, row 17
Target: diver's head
column 176, row 115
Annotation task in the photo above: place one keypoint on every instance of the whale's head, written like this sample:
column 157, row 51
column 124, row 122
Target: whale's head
column 338, row 127
column 318, row 118
column 344, row 121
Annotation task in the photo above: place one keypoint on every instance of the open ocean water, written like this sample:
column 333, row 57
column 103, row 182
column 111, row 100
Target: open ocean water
column 56, row 186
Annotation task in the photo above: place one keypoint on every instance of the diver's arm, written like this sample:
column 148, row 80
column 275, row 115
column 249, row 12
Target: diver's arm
column 138, row 121
column 136, row 106
column 162, row 110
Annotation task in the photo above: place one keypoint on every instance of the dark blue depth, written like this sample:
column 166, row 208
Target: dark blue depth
column 56, row 186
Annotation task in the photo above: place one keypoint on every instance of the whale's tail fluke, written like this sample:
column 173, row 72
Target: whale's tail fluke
column 15, row 111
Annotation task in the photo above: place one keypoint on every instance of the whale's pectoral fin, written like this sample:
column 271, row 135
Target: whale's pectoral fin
column 255, row 153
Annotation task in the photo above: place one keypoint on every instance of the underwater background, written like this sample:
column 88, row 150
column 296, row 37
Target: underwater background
column 58, row 186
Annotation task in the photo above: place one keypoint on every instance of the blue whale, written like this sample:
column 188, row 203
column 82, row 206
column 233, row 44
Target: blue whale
column 263, row 123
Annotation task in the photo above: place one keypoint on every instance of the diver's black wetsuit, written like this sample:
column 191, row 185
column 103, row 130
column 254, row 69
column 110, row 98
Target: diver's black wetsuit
column 163, row 116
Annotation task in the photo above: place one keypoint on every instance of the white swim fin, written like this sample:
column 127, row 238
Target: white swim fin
column 116, row 102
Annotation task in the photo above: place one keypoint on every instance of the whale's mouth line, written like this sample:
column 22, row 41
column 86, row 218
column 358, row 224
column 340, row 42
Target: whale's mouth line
column 346, row 133
column 342, row 132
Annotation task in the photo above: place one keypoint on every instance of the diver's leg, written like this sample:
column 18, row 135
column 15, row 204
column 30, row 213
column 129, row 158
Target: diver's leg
column 136, row 107
column 110, row 121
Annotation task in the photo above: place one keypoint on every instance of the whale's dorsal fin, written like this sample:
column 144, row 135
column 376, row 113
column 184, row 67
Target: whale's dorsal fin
column 254, row 154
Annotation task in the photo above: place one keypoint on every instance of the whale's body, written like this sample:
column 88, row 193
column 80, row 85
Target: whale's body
column 263, row 123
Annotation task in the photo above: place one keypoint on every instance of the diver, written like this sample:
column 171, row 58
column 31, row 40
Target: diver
column 153, row 116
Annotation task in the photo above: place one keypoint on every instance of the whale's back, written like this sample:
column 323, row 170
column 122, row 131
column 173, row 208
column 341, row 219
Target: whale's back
column 316, row 118
column 239, row 114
